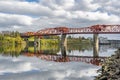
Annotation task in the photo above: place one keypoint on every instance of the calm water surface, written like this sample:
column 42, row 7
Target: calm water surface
column 76, row 62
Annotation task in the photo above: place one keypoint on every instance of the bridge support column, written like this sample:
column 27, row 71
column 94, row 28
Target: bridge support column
column 39, row 43
column 36, row 43
column 95, row 45
column 63, row 45
column 26, row 40
column 27, row 44
column 63, row 50
column 63, row 40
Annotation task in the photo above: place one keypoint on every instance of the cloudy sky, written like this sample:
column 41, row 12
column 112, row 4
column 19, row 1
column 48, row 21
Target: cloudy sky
column 32, row 15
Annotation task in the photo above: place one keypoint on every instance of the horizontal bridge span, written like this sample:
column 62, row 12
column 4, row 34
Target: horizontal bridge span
column 99, row 29
column 68, row 58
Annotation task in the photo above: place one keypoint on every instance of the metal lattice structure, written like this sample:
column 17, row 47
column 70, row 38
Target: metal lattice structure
column 99, row 29
column 59, row 58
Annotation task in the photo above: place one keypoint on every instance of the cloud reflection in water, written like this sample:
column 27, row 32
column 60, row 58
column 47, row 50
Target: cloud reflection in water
column 24, row 68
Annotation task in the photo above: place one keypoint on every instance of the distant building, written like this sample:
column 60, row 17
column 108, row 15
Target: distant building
column 114, row 41
column 103, row 40
column 6, row 32
column 90, row 38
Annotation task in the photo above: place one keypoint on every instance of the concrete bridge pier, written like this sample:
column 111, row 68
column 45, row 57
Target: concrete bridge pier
column 63, row 50
column 36, row 43
column 39, row 44
column 26, row 40
column 36, row 40
column 95, row 45
column 63, row 40
column 27, row 44
column 63, row 44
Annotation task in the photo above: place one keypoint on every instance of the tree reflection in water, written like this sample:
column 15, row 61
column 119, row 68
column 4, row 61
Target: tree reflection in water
column 50, row 53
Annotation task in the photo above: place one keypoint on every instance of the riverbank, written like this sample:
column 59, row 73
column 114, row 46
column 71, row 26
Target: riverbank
column 110, row 68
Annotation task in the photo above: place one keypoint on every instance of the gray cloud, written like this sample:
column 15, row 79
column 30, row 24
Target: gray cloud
column 13, row 19
column 111, row 6
column 32, row 16
column 24, row 8
column 24, row 68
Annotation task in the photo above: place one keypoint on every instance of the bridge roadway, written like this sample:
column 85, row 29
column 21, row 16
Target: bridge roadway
column 95, row 29
column 68, row 58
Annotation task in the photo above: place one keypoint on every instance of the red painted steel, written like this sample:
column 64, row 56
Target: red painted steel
column 100, row 29
column 59, row 58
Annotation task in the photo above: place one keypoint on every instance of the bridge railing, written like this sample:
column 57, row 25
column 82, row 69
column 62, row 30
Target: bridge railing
column 100, row 29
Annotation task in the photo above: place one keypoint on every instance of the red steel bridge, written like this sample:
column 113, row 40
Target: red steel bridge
column 63, row 31
column 95, row 29
column 68, row 58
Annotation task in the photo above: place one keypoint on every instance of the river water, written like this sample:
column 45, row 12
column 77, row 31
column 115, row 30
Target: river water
column 75, row 62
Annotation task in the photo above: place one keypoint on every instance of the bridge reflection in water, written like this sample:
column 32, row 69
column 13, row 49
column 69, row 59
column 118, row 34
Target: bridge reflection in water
column 63, row 31
column 63, row 57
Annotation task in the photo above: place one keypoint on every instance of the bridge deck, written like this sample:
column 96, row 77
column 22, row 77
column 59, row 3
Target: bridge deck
column 68, row 58
column 96, row 29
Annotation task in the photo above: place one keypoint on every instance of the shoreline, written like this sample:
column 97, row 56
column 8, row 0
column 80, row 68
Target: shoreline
column 110, row 68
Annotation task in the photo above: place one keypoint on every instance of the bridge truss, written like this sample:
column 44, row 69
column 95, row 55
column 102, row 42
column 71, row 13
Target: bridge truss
column 96, row 29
